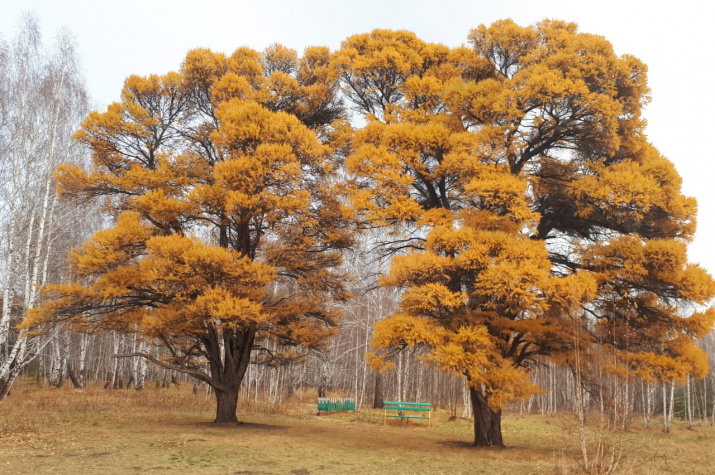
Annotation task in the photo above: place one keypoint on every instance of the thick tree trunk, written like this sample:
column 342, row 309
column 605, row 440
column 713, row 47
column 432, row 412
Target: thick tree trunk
column 378, row 401
column 229, row 371
column 226, row 403
column 487, row 423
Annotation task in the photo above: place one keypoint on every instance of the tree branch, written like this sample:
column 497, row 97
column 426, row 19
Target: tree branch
column 198, row 374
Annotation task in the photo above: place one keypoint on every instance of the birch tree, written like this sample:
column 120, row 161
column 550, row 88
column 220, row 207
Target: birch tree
column 42, row 98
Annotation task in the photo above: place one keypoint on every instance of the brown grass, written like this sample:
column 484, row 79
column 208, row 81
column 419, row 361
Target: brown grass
column 95, row 431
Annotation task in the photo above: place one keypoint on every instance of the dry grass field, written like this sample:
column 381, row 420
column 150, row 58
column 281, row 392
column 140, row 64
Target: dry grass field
column 95, row 431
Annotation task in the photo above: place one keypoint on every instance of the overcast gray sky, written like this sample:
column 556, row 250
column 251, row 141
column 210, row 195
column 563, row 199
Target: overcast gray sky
column 675, row 39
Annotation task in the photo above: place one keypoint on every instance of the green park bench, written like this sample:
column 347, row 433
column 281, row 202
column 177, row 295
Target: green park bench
column 333, row 404
column 401, row 407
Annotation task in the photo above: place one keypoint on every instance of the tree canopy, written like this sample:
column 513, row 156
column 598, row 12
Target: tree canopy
column 529, row 215
column 229, row 217
column 527, row 197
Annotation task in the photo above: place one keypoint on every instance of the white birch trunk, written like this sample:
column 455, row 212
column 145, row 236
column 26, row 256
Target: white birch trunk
column 45, row 213
column 64, row 344
column 579, row 398
column 356, row 384
column 672, row 401
column 705, row 401
column 466, row 401
column 366, row 345
column 115, row 361
column 14, row 205
column 666, row 425
column 420, row 380
column 626, row 402
column 83, row 346
column 44, row 110
column 27, row 260
column 688, row 402
column 399, row 376
column 12, row 365
column 25, row 57
column 406, row 380
column 647, row 402
column 141, row 367
column 55, row 363
column 668, row 405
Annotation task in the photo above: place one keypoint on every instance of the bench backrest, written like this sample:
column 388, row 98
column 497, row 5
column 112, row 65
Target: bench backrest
column 425, row 406
column 336, row 404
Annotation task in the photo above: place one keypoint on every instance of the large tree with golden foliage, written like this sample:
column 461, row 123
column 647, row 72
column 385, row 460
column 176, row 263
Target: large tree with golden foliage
column 229, row 220
column 526, row 198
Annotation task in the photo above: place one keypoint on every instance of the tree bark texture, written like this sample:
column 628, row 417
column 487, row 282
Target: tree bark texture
column 378, row 402
column 226, row 402
column 487, row 422
column 227, row 374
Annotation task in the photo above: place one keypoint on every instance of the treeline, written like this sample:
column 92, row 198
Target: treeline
column 342, row 370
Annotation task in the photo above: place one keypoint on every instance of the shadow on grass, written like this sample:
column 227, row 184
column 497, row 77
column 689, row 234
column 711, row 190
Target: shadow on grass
column 456, row 444
column 242, row 426
column 464, row 444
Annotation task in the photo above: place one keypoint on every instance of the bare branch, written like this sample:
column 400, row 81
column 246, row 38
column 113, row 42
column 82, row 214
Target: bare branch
column 198, row 374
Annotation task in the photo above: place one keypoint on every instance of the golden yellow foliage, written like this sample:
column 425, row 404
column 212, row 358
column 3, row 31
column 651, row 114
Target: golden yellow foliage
column 538, row 213
column 535, row 205
column 230, row 214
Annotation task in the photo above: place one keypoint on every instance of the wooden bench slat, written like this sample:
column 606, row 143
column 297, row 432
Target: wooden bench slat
column 409, row 417
column 398, row 403
column 401, row 406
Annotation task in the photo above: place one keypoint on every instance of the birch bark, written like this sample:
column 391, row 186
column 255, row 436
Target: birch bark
column 42, row 100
